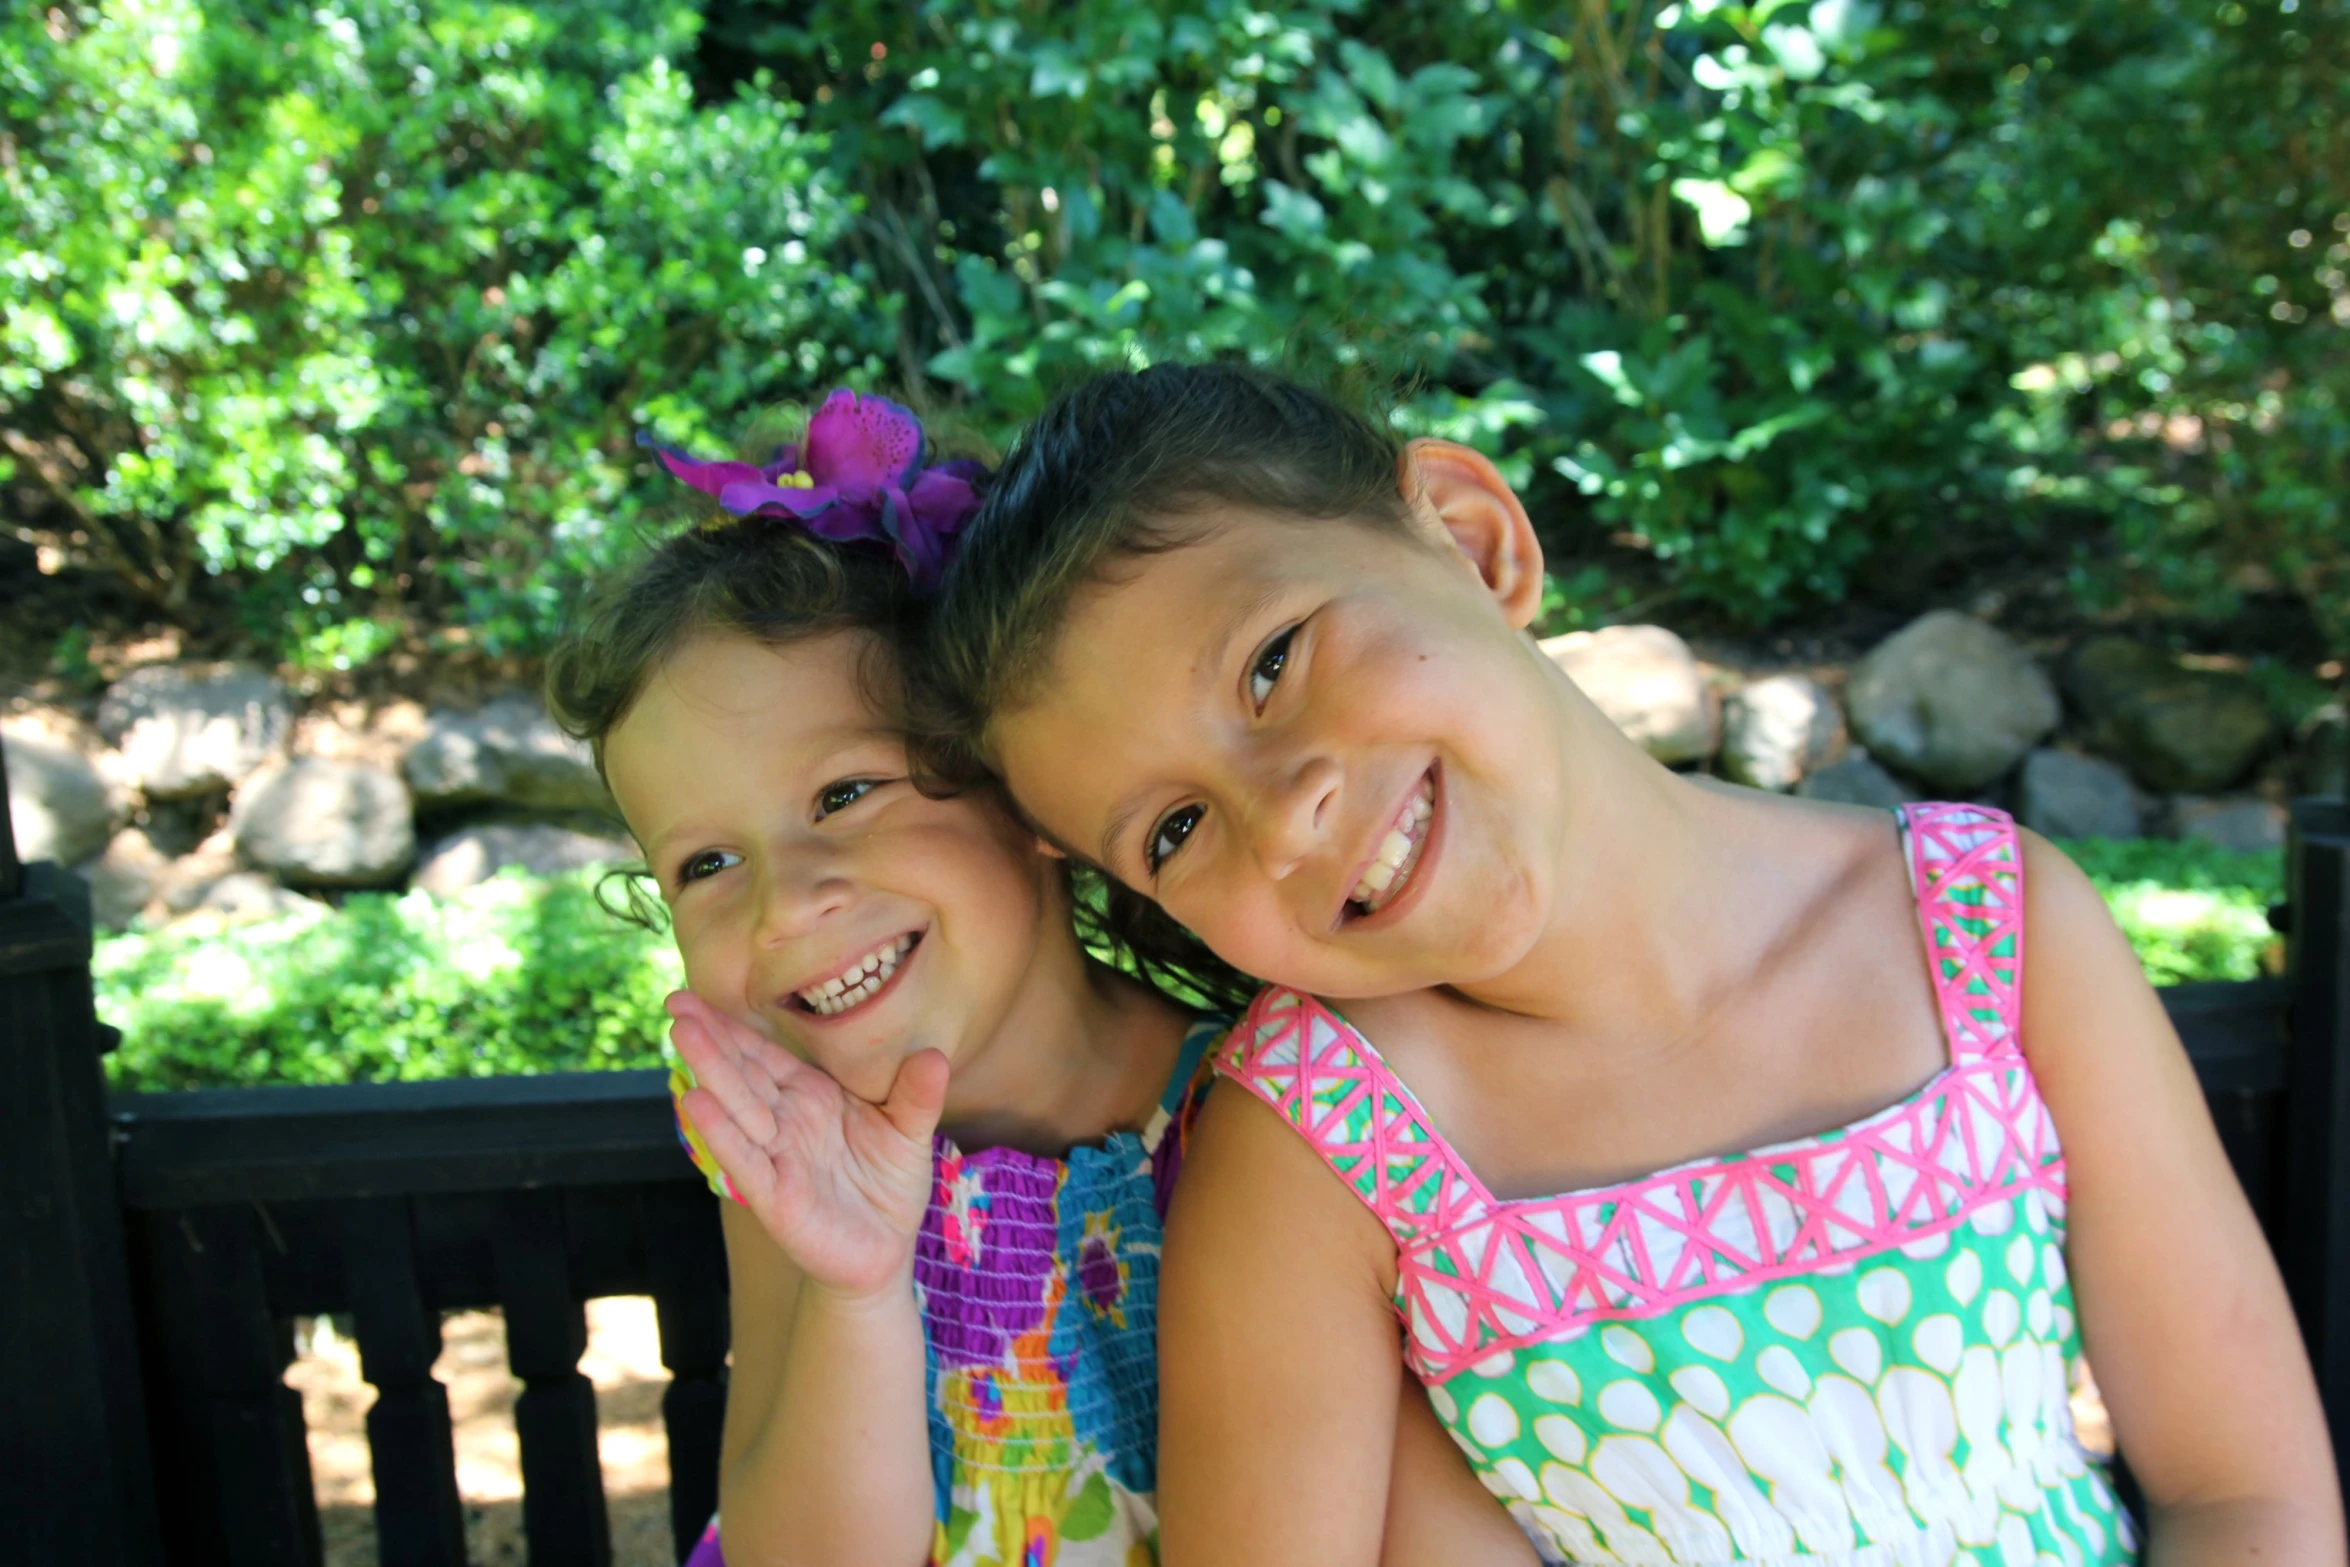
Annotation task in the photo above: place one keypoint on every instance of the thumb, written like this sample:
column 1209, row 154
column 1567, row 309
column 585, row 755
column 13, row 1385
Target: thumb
column 917, row 1096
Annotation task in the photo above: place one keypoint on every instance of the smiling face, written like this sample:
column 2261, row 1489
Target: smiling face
column 814, row 892
column 1325, row 747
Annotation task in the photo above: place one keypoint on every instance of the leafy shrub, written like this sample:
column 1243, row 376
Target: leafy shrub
column 513, row 976
column 2193, row 911
column 519, row 976
column 354, row 308
column 357, row 308
column 1779, row 289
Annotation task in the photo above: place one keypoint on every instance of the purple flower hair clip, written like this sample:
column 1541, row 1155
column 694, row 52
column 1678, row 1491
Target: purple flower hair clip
column 859, row 475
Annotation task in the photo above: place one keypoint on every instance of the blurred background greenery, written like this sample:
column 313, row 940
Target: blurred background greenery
column 332, row 325
column 522, row 975
column 325, row 334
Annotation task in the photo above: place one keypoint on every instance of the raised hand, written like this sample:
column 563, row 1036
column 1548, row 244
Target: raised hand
column 840, row 1184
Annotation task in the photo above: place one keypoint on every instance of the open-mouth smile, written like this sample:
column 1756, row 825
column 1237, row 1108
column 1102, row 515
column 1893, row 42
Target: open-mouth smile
column 1398, row 856
column 858, row 981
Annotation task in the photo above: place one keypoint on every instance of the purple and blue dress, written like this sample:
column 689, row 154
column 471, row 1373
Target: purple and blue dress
column 1038, row 1280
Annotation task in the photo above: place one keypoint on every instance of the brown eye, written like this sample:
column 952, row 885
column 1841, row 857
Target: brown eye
column 708, row 863
column 1265, row 673
column 840, row 796
column 1173, row 831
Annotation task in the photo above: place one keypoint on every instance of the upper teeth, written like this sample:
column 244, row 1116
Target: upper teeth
column 859, row 980
column 1387, row 869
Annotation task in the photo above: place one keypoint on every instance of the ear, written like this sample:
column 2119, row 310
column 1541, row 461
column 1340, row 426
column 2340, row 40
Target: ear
column 1458, row 496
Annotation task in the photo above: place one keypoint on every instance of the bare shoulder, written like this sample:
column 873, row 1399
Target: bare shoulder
column 1250, row 1180
column 2084, row 991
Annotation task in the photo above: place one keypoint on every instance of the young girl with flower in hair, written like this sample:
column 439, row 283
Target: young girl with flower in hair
column 945, row 1130
column 1746, row 1175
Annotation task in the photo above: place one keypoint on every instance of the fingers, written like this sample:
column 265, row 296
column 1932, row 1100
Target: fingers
column 759, row 1056
column 735, row 1085
column 917, row 1096
column 746, row 1164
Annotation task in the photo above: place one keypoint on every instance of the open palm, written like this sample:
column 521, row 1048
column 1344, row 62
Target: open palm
column 840, row 1183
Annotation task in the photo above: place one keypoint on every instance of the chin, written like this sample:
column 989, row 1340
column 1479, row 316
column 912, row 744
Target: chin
column 1495, row 942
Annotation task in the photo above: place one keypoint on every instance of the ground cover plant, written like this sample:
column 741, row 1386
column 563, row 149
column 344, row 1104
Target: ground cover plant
column 522, row 976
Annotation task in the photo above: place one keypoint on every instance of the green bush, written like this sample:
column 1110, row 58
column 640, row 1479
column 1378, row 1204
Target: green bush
column 2193, row 911
column 517, row 976
column 353, row 309
column 356, row 310
column 513, row 976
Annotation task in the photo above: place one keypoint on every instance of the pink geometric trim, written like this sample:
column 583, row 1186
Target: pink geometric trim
column 1476, row 1275
column 1967, row 868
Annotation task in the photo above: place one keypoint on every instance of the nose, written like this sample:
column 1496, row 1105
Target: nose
column 796, row 892
column 1293, row 815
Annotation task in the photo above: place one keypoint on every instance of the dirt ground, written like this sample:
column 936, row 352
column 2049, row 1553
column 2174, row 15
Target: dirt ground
column 623, row 1360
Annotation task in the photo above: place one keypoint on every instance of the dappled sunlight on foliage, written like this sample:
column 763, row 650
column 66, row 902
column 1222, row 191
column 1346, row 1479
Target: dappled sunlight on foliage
column 512, row 976
column 358, row 308
column 352, row 311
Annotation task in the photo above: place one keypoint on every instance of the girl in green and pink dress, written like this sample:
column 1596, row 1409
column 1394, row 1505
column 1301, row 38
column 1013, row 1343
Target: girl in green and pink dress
column 944, row 1131
column 1744, row 1177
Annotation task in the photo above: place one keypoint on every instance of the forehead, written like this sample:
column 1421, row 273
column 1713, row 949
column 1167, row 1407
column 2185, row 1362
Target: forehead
column 1165, row 614
column 722, row 681
column 731, row 696
column 1136, row 679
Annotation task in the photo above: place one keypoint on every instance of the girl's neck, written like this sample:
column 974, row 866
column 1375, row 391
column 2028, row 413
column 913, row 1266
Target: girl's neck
column 1650, row 929
column 1082, row 1052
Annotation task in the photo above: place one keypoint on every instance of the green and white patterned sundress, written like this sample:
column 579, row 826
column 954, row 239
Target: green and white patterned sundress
column 1853, row 1348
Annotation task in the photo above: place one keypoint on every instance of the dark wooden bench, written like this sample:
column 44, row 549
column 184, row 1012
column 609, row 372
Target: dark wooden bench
column 159, row 1246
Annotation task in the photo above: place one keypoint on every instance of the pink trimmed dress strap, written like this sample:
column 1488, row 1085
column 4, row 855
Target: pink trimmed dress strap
column 1475, row 1272
column 1966, row 868
column 1850, row 1349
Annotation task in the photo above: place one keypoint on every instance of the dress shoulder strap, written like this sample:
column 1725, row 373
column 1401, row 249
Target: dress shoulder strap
column 1322, row 1076
column 1967, row 869
column 1179, row 1100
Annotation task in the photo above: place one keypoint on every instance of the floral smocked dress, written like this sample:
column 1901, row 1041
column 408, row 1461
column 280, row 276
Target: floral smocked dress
column 1038, row 1281
column 1854, row 1348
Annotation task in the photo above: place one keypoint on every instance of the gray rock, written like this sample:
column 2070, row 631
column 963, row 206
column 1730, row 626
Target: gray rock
column 475, row 854
column 195, row 730
column 317, row 823
column 2176, row 729
column 125, row 879
column 246, row 896
column 2068, row 796
column 187, row 877
column 1646, row 680
column 60, row 802
column 507, row 752
column 1777, row 729
column 2242, row 822
column 1856, row 780
column 1951, row 700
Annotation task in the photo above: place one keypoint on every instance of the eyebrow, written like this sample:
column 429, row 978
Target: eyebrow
column 1243, row 615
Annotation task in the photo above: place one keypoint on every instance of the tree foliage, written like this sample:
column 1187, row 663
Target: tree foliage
column 354, row 310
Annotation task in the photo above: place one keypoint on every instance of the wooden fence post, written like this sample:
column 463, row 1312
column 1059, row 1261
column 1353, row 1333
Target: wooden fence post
column 76, row 1474
column 2316, row 1232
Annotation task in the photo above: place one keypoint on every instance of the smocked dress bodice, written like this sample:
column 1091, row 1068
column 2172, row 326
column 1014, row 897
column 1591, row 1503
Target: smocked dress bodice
column 1854, row 1348
column 1038, row 1284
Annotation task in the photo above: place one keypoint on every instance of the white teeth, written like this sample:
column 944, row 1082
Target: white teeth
column 859, row 982
column 1397, row 851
